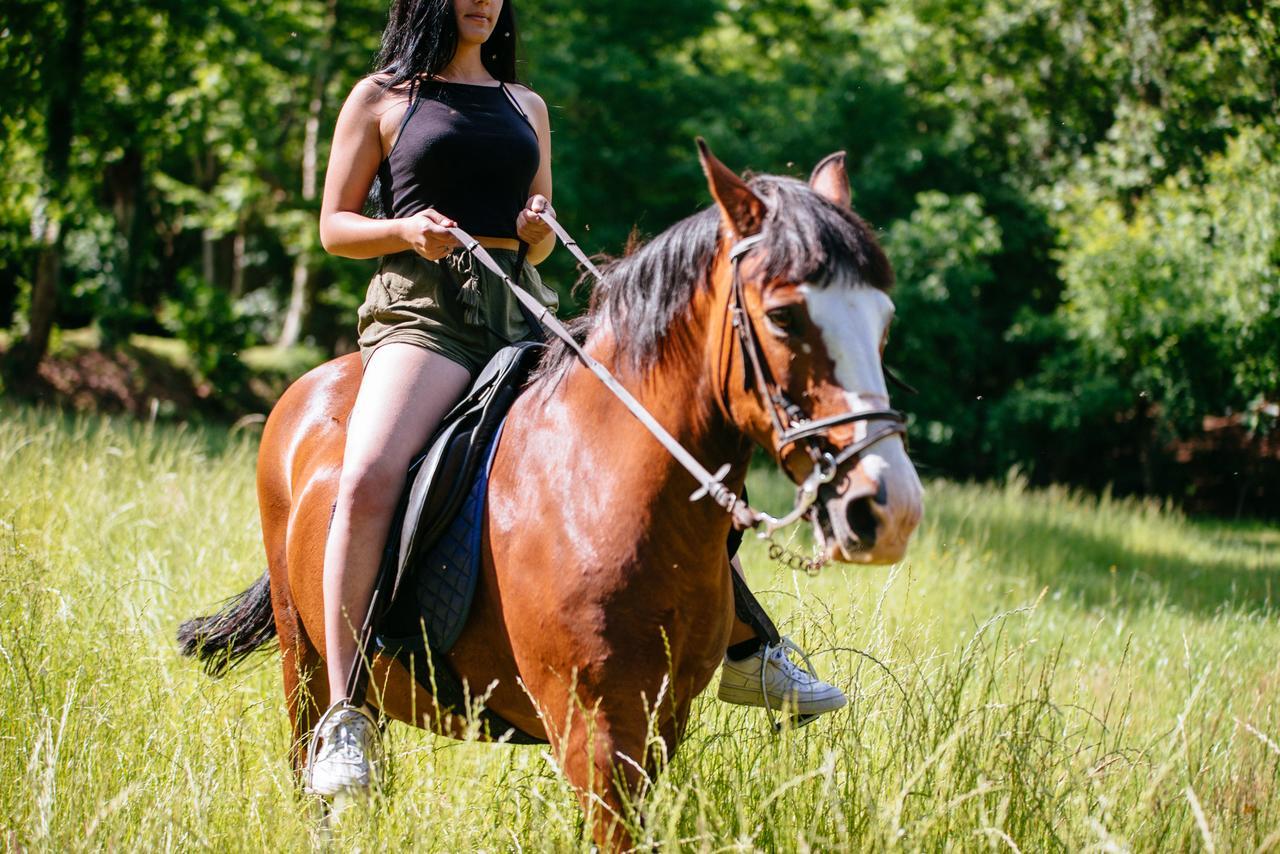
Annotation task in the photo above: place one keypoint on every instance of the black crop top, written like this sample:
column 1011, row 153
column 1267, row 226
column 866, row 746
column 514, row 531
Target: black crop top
column 466, row 150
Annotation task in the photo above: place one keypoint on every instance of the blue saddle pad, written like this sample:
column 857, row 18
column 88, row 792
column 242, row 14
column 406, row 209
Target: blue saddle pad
column 444, row 580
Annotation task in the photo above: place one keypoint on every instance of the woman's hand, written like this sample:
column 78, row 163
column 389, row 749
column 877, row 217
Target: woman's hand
column 426, row 234
column 529, row 224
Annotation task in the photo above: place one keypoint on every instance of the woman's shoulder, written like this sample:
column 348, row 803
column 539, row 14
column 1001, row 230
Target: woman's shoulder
column 530, row 100
column 373, row 91
column 374, row 101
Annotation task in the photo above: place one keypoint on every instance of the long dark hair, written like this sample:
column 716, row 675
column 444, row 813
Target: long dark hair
column 422, row 36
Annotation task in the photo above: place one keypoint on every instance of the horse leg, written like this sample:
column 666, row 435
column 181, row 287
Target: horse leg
column 306, row 685
column 603, row 762
column 600, row 733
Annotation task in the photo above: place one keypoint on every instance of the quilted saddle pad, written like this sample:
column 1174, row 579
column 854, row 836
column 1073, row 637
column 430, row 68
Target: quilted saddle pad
column 443, row 582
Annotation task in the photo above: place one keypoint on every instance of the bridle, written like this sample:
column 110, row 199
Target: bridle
column 791, row 425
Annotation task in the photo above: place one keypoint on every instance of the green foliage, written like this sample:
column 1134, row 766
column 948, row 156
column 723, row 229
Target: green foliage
column 205, row 319
column 1176, row 299
column 944, row 252
column 1033, row 167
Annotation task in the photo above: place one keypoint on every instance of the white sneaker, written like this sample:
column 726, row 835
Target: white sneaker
column 770, row 679
column 346, row 752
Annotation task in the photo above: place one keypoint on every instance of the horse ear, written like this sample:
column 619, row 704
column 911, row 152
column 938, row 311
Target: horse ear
column 742, row 209
column 830, row 180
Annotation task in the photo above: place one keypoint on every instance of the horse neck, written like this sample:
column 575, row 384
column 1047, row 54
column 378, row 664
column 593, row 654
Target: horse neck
column 681, row 390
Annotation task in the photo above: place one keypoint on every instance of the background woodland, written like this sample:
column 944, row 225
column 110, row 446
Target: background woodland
column 1080, row 199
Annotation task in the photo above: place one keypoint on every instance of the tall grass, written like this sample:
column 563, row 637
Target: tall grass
column 1047, row 670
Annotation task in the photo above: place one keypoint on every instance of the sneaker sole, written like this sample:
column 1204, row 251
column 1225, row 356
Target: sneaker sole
column 333, row 791
column 751, row 697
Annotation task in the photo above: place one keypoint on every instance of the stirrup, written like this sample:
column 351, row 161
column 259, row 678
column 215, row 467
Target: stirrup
column 797, row 720
column 339, row 706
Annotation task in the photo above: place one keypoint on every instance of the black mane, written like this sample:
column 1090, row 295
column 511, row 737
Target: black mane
column 806, row 239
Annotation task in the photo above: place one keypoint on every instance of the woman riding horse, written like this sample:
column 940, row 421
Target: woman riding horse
column 757, row 322
column 454, row 140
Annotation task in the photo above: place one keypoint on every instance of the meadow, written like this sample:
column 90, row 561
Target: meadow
column 1046, row 671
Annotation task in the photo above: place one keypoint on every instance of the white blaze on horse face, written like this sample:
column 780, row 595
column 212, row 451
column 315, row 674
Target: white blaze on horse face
column 852, row 319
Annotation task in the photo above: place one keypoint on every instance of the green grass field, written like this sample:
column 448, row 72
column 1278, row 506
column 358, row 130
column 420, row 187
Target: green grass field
column 1046, row 671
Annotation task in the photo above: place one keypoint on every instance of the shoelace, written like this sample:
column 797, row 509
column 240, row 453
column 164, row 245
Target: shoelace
column 778, row 653
column 349, row 740
column 789, row 667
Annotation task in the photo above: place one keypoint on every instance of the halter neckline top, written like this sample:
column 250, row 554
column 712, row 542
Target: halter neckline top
column 465, row 149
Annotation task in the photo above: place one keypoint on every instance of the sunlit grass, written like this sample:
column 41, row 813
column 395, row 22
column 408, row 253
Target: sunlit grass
column 1047, row 670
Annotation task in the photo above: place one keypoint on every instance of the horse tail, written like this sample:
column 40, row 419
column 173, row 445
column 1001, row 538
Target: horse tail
column 224, row 639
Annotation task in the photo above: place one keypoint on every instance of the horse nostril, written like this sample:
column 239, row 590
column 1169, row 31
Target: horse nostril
column 862, row 521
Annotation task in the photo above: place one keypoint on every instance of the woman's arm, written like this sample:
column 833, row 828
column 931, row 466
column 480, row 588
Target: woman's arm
column 530, row 228
column 353, row 163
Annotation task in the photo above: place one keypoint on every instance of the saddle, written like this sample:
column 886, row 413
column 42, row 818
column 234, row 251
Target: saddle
column 431, row 562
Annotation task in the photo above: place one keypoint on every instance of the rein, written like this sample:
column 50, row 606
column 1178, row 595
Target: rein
column 791, row 426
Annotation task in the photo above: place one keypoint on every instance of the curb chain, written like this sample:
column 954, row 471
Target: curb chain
column 794, row 560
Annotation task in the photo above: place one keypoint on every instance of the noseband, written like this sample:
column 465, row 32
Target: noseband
column 790, row 423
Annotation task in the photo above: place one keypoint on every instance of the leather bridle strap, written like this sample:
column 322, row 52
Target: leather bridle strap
column 776, row 404
column 709, row 484
column 820, row 426
column 789, row 423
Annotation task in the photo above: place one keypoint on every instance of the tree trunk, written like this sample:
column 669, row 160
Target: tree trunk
column 208, row 258
column 1146, row 442
column 302, row 296
column 300, row 300
column 237, row 263
column 61, row 74
column 122, row 182
column 44, row 300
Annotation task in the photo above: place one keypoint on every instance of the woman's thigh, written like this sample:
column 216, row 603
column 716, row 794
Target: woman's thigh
column 405, row 392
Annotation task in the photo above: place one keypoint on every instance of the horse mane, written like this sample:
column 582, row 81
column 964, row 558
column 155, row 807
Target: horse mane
column 645, row 294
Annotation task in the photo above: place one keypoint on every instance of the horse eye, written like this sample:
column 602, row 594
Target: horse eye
column 787, row 319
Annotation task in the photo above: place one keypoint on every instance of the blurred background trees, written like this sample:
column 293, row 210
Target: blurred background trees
column 1080, row 199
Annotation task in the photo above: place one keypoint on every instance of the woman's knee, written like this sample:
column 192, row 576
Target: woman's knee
column 370, row 488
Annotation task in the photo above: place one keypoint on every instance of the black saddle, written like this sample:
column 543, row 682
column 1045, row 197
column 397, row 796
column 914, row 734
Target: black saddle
column 431, row 563
column 440, row 478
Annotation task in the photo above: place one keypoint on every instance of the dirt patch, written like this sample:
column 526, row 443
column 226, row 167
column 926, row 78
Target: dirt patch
column 1230, row 470
column 131, row 380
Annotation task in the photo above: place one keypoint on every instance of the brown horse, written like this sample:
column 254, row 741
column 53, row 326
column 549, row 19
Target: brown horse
column 605, row 598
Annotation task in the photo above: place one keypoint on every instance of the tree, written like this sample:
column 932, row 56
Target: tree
column 61, row 68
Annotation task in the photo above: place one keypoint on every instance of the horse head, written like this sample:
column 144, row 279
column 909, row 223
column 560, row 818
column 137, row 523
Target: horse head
column 805, row 293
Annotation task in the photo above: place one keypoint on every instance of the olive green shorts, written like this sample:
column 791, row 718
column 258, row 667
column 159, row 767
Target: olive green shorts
column 455, row 307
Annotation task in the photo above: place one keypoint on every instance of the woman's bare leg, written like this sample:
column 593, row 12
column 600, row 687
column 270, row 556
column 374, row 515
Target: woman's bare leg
column 405, row 392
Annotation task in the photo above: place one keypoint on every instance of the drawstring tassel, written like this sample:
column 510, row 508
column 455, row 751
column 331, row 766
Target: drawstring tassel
column 470, row 295
column 469, row 292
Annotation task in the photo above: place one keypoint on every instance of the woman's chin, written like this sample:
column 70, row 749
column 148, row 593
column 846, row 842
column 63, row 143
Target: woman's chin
column 471, row 33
